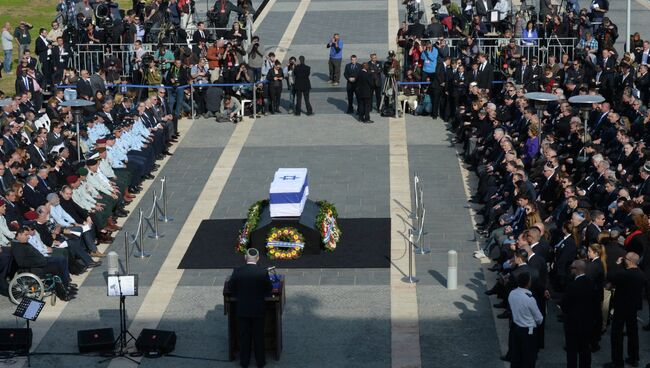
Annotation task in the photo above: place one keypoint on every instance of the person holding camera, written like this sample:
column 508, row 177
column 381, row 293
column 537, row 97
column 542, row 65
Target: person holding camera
column 288, row 72
column 275, row 77
column 255, row 54
column 219, row 15
column 336, row 55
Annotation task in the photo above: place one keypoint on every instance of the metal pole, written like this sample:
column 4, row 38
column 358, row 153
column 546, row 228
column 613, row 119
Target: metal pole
column 164, row 217
column 254, row 99
column 126, row 252
column 410, row 279
column 416, row 180
column 141, row 253
column 156, row 234
column 76, row 118
column 421, row 249
column 452, row 270
column 628, row 25
column 192, row 100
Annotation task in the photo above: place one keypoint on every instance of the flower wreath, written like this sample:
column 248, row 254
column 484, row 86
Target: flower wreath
column 327, row 226
column 251, row 223
column 284, row 243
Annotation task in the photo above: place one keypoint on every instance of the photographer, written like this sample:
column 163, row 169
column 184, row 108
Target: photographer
column 178, row 75
column 288, row 73
column 235, row 35
column 229, row 63
column 199, row 75
column 410, row 93
column 255, row 53
column 230, row 110
column 244, row 76
column 606, row 34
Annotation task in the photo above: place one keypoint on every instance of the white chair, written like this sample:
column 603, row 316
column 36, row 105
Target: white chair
column 243, row 107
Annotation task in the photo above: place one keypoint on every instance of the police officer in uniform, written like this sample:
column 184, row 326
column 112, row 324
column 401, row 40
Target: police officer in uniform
column 525, row 319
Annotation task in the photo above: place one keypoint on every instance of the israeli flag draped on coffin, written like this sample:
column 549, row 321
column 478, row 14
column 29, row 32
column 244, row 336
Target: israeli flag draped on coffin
column 289, row 191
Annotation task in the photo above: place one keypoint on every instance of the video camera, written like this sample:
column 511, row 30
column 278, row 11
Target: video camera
column 389, row 70
column 435, row 8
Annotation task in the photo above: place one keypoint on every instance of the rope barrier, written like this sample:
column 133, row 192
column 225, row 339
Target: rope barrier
column 138, row 237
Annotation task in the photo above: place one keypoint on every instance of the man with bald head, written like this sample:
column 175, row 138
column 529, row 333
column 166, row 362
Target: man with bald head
column 628, row 282
column 580, row 307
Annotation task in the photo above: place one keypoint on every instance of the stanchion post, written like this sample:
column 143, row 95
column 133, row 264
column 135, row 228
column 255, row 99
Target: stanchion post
column 416, row 179
column 165, row 217
column 141, row 253
column 156, row 234
column 410, row 279
column 192, row 99
column 126, row 252
column 254, row 100
column 420, row 241
column 452, row 270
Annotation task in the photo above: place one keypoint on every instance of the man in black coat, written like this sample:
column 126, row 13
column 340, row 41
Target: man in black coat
column 26, row 256
column 627, row 300
column 83, row 85
column 485, row 73
column 250, row 284
column 580, row 306
column 364, row 94
column 302, row 85
column 351, row 74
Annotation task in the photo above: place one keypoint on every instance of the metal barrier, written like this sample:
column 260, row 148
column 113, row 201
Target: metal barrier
column 541, row 48
column 155, row 214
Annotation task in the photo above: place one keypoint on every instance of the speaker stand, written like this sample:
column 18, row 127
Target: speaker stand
column 122, row 340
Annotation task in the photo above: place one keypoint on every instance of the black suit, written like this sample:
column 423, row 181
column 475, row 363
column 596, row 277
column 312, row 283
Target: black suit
column 626, row 301
column 23, row 85
column 33, row 197
column 250, row 284
column 302, row 86
column 483, row 9
column 351, row 74
column 485, row 76
column 364, row 95
column 84, row 89
column 580, row 306
column 26, row 256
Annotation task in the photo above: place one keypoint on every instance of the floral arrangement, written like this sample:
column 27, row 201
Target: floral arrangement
column 252, row 219
column 284, row 243
column 327, row 225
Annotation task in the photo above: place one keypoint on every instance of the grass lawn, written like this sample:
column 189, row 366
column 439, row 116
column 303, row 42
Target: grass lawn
column 40, row 13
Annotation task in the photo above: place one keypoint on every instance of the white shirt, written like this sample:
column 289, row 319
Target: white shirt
column 525, row 312
column 60, row 216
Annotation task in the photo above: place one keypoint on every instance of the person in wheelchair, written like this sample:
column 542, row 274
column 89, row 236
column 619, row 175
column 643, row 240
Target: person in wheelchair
column 41, row 262
column 54, row 237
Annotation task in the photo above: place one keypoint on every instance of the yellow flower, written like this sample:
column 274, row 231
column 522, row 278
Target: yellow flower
column 286, row 231
column 295, row 237
column 296, row 248
column 281, row 255
column 272, row 251
column 294, row 253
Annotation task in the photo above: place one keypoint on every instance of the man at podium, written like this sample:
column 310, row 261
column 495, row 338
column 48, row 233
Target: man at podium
column 250, row 284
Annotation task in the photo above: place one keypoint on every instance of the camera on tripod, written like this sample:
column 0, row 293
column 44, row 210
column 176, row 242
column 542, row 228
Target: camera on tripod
column 389, row 69
column 435, row 8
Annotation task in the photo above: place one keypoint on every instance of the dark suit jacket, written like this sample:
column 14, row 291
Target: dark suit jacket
column 481, row 9
column 35, row 157
column 629, row 285
column 41, row 49
column 20, row 85
column 580, row 307
column 33, row 197
column 352, row 73
column 565, row 253
column 84, row 89
column 364, row 85
column 596, row 272
column 485, row 77
column 78, row 214
column 27, row 256
column 54, row 141
column 301, row 78
column 250, row 284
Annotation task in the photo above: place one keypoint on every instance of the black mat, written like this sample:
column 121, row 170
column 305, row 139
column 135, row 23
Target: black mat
column 365, row 243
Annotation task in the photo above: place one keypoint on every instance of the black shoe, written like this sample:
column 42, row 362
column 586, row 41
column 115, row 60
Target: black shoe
column 633, row 363
column 120, row 214
column 148, row 176
column 73, row 285
column 504, row 315
column 160, row 156
column 134, row 190
column 490, row 292
column 501, row 305
column 494, row 268
column 94, row 264
column 298, row 114
column 310, row 113
column 349, row 111
column 166, row 152
column 369, row 122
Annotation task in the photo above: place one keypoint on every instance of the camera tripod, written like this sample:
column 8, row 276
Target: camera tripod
column 388, row 91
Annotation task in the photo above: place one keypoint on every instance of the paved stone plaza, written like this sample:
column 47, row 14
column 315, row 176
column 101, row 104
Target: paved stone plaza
column 332, row 317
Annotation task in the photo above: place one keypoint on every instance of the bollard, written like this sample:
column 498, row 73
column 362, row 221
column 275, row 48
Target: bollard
column 164, row 217
column 141, row 253
column 126, row 252
column 156, row 234
column 113, row 263
column 410, row 279
column 416, row 180
column 452, row 270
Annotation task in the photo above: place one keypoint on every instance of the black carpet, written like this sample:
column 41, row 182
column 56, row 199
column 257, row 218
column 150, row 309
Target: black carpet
column 365, row 243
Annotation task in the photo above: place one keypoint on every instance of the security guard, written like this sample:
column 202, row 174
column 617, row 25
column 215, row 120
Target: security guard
column 525, row 317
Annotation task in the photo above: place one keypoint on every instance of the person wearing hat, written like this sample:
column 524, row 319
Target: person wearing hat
column 109, row 196
column 250, row 284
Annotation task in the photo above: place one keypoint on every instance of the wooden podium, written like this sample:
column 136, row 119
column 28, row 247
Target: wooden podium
column 272, row 322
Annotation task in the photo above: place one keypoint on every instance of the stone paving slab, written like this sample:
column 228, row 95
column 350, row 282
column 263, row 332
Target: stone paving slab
column 324, row 326
column 346, row 23
column 357, row 168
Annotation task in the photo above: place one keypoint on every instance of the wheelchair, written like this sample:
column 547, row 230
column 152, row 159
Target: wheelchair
column 32, row 283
